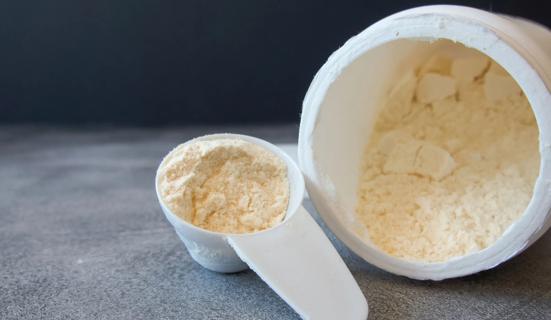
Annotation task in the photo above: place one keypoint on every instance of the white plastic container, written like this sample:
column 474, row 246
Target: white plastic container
column 342, row 102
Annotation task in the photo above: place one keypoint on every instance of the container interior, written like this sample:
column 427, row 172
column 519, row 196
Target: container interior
column 350, row 108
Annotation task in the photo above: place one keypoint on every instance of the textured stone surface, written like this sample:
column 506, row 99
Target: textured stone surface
column 82, row 237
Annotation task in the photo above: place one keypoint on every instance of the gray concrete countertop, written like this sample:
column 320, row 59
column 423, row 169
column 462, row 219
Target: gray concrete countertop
column 82, row 237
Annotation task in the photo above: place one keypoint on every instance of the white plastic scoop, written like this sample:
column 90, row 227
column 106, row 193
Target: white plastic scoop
column 294, row 258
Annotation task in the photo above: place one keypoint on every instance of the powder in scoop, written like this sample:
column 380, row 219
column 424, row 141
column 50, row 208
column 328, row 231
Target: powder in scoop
column 225, row 185
column 451, row 163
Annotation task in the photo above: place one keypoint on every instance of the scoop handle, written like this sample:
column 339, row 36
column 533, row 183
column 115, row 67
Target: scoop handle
column 301, row 265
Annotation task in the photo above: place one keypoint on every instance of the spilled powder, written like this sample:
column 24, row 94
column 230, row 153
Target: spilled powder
column 225, row 185
column 451, row 163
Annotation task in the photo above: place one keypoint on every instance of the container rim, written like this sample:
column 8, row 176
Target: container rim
column 500, row 39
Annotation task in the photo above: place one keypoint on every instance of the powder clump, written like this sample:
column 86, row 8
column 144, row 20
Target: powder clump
column 451, row 162
column 225, row 185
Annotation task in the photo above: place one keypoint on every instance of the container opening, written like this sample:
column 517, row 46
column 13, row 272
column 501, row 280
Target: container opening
column 438, row 140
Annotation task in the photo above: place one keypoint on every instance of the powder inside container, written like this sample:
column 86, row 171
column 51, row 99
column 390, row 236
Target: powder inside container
column 452, row 160
column 225, row 185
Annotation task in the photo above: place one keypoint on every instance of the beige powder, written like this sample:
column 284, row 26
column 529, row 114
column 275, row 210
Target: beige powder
column 225, row 185
column 451, row 163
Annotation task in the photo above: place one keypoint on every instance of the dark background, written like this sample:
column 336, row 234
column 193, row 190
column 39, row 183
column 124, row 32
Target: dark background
column 151, row 62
